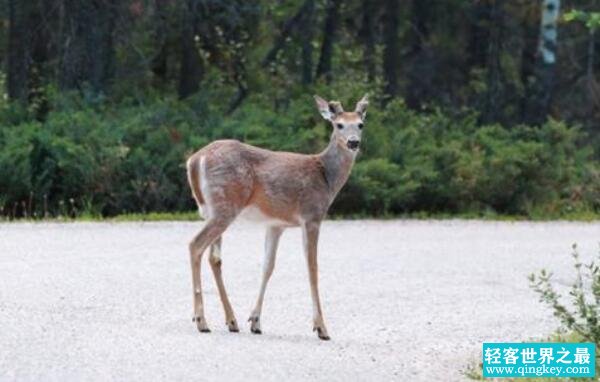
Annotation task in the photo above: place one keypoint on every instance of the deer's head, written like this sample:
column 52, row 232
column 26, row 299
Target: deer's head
column 347, row 126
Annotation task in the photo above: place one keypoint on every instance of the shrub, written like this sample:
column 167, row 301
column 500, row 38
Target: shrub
column 90, row 155
column 584, row 315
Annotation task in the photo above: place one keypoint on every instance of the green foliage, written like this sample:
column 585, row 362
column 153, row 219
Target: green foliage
column 436, row 163
column 91, row 157
column 583, row 317
column 590, row 19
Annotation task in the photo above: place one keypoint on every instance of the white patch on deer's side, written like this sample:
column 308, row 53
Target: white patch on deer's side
column 254, row 214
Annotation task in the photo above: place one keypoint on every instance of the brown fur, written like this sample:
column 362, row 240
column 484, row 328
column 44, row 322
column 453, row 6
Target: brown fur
column 281, row 184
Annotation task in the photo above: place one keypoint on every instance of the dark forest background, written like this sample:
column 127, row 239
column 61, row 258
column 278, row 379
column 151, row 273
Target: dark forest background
column 477, row 106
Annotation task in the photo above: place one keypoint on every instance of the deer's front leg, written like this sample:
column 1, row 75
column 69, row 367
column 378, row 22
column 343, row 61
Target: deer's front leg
column 271, row 242
column 310, row 232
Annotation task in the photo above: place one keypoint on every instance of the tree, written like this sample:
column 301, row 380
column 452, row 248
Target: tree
column 307, row 47
column 478, row 37
column 391, row 48
column 192, row 69
column 591, row 20
column 159, row 64
column 421, row 60
column 368, row 33
column 289, row 26
column 541, row 90
column 87, row 44
column 493, row 102
column 19, row 49
column 324, row 68
column 528, row 55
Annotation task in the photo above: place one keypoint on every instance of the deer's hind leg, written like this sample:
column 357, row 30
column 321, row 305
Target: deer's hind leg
column 212, row 230
column 215, row 264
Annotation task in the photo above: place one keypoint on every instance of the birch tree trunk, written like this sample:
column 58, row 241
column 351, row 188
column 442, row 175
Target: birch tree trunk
column 549, row 31
column 542, row 88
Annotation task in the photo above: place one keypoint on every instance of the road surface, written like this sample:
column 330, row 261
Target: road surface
column 403, row 300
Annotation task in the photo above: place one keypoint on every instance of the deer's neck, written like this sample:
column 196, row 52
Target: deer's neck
column 337, row 162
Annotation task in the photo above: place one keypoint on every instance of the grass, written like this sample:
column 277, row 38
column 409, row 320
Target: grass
column 580, row 216
column 130, row 217
column 156, row 216
column 583, row 216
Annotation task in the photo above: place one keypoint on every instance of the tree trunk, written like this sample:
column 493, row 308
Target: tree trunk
column 324, row 68
column 528, row 63
column 421, row 60
column 479, row 34
column 239, row 76
column 391, row 49
column 161, row 32
column 368, row 32
column 542, row 88
column 307, row 37
column 286, row 30
column 19, row 49
column 192, row 70
column 42, row 42
column 494, row 94
column 87, row 44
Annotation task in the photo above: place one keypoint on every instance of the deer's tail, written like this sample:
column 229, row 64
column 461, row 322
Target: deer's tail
column 193, row 173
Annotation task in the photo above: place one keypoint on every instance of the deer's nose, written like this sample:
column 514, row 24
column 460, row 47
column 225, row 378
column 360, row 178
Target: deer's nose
column 353, row 143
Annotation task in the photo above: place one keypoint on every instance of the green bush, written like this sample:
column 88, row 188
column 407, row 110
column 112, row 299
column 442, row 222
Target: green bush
column 90, row 156
column 435, row 163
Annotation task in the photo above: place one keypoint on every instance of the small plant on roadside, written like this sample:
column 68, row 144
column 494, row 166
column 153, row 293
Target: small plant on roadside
column 583, row 317
column 581, row 320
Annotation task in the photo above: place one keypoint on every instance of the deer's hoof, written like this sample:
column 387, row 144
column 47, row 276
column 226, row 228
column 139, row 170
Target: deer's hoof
column 201, row 324
column 233, row 326
column 255, row 325
column 322, row 333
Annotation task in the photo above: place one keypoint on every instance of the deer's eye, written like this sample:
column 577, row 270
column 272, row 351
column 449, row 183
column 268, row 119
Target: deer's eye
column 340, row 126
column 360, row 126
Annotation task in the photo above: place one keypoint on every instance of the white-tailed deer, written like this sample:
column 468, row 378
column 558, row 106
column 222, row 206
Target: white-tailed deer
column 230, row 179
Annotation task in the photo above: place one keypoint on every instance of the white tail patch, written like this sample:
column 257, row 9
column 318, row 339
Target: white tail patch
column 204, row 209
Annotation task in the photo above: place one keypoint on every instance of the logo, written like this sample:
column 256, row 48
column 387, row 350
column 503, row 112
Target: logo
column 538, row 359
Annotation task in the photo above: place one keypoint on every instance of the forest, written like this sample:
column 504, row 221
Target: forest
column 478, row 107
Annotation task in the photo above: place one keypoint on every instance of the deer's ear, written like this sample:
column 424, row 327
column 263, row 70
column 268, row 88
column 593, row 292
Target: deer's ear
column 361, row 106
column 328, row 109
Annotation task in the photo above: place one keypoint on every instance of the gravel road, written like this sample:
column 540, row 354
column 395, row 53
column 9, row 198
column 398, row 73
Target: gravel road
column 403, row 300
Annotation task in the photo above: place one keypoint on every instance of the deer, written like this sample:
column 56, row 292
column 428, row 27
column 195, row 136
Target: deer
column 230, row 179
